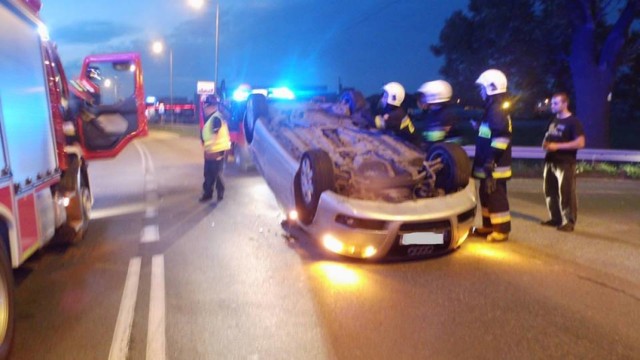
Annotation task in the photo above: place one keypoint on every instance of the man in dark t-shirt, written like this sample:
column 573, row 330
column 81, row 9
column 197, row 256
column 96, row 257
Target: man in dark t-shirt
column 563, row 139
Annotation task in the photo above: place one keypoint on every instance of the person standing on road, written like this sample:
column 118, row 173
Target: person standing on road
column 492, row 161
column 564, row 137
column 216, row 140
column 394, row 118
column 437, row 121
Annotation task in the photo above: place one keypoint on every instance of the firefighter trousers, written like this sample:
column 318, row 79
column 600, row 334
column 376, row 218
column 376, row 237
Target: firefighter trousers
column 560, row 192
column 495, row 207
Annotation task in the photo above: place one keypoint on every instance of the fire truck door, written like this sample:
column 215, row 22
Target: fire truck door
column 115, row 111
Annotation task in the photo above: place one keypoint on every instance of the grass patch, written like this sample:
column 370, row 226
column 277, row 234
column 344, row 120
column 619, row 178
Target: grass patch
column 631, row 170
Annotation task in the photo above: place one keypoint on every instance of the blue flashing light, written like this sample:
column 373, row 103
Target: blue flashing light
column 282, row 93
column 241, row 94
column 151, row 100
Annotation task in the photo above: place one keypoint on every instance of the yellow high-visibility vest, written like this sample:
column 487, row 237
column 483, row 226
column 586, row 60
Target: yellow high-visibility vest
column 216, row 142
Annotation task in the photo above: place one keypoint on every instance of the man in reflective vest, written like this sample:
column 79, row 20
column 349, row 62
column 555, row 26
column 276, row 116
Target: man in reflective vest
column 492, row 161
column 216, row 140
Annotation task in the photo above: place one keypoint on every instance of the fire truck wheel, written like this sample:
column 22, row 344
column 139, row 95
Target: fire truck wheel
column 256, row 108
column 7, row 315
column 78, row 213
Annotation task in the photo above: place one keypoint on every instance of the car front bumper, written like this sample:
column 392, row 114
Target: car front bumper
column 375, row 229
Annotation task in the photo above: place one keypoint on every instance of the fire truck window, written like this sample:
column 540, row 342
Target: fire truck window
column 115, row 82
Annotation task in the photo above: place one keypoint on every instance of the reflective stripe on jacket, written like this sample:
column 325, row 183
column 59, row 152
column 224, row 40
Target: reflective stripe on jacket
column 493, row 144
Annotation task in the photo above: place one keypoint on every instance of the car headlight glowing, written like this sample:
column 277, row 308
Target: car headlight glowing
column 369, row 251
column 332, row 244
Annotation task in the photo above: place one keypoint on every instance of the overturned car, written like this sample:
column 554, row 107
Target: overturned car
column 362, row 192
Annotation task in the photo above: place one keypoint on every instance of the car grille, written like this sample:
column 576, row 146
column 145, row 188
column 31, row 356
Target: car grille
column 431, row 226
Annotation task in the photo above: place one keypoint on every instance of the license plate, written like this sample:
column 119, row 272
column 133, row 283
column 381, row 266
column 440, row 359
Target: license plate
column 422, row 239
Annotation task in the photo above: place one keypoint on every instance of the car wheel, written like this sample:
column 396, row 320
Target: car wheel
column 314, row 176
column 456, row 170
column 7, row 310
column 256, row 108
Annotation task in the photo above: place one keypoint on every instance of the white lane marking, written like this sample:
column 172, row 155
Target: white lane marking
column 156, row 340
column 142, row 156
column 122, row 333
column 150, row 233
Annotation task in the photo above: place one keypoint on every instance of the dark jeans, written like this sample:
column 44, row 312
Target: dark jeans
column 560, row 192
column 213, row 176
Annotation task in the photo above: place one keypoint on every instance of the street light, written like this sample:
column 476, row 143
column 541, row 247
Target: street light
column 199, row 4
column 158, row 48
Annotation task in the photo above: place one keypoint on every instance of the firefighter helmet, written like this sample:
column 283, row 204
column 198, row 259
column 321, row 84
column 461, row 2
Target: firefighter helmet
column 493, row 81
column 394, row 93
column 435, row 92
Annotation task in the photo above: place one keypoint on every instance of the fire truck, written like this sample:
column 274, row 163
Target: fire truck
column 49, row 128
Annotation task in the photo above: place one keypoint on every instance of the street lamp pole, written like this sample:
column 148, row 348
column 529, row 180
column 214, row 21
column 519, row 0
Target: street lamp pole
column 173, row 110
column 158, row 47
column 215, row 75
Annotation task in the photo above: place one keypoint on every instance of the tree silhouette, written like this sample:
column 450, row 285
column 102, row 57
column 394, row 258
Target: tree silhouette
column 543, row 46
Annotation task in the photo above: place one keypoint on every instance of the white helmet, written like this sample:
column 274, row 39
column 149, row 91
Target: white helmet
column 494, row 82
column 395, row 93
column 437, row 91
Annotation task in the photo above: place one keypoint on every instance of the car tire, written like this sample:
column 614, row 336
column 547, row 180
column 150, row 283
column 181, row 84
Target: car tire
column 7, row 307
column 256, row 108
column 314, row 176
column 456, row 170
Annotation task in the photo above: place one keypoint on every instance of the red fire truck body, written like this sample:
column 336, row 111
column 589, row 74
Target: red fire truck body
column 48, row 129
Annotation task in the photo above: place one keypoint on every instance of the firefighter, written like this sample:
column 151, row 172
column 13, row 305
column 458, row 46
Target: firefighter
column 394, row 118
column 492, row 162
column 437, row 122
column 216, row 140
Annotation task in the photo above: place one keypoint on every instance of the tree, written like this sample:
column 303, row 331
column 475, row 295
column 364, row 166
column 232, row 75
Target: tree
column 594, row 67
column 543, row 46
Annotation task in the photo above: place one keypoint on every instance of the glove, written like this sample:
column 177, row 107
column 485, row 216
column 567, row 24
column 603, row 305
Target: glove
column 490, row 181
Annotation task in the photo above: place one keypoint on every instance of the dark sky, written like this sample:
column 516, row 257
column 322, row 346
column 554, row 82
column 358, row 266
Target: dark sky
column 262, row 42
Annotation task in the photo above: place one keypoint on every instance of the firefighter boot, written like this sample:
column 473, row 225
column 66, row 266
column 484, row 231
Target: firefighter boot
column 497, row 237
column 481, row 231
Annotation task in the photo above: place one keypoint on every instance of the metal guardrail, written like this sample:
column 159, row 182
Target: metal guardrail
column 531, row 152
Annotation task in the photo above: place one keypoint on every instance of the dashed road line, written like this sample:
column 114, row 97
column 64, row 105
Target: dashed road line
column 156, row 336
column 150, row 233
column 122, row 333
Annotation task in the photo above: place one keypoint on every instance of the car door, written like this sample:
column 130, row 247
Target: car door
column 112, row 113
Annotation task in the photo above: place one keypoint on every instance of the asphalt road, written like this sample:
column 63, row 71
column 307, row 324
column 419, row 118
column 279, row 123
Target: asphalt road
column 162, row 276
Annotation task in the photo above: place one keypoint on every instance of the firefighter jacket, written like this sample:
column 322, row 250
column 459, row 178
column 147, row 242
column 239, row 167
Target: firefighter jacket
column 395, row 120
column 493, row 144
column 215, row 134
column 436, row 125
